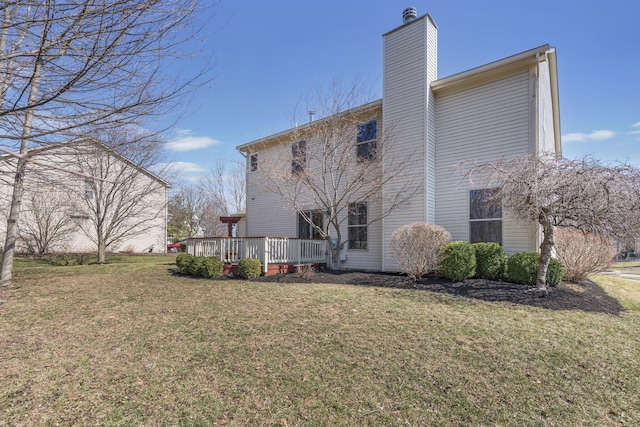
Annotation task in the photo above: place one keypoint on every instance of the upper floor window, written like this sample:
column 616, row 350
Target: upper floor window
column 298, row 157
column 357, row 225
column 88, row 189
column 253, row 162
column 367, row 140
column 485, row 216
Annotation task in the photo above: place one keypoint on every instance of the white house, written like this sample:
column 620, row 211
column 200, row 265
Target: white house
column 505, row 108
column 74, row 189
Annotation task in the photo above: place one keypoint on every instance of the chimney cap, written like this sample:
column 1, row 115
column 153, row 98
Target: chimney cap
column 409, row 14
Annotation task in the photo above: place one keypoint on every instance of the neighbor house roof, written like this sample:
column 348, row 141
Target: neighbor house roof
column 87, row 140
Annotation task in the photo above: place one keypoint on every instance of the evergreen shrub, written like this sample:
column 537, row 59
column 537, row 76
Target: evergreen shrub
column 459, row 261
column 182, row 261
column 210, row 267
column 523, row 268
column 491, row 260
column 249, row 268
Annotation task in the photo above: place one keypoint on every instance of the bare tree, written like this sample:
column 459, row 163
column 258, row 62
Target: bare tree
column 65, row 66
column 582, row 194
column 47, row 226
column 197, row 207
column 336, row 164
column 224, row 185
column 185, row 210
column 123, row 199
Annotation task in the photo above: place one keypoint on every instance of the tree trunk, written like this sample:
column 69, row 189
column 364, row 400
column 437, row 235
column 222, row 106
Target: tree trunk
column 546, row 248
column 102, row 251
column 12, row 225
column 18, row 187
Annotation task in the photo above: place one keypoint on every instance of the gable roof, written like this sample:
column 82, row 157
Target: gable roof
column 308, row 127
column 464, row 79
column 88, row 140
column 493, row 70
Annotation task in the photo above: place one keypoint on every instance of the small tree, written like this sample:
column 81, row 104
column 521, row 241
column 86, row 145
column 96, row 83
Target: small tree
column 124, row 200
column 582, row 194
column 336, row 164
column 47, row 226
column 582, row 254
column 419, row 248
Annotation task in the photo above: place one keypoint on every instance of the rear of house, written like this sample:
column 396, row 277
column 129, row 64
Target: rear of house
column 499, row 110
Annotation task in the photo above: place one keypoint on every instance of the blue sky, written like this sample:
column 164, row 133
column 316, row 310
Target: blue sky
column 269, row 54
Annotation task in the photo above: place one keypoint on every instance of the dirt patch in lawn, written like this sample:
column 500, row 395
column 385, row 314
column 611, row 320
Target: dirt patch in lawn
column 586, row 296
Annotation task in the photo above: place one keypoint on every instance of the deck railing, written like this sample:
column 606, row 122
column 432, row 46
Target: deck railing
column 269, row 250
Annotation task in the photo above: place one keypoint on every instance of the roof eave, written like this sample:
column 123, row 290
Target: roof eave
column 282, row 135
column 514, row 61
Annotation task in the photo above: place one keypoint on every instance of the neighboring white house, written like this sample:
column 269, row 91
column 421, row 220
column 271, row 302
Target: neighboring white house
column 73, row 189
column 502, row 109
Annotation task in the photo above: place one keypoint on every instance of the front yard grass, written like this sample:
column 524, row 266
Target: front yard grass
column 128, row 343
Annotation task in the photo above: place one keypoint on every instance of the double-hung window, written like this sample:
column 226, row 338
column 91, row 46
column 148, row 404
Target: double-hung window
column 357, row 225
column 485, row 216
column 253, row 162
column 298, row 157
column 366, row 144
column 88, row 189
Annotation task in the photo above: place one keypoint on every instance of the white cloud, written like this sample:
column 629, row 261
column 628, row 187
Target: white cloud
column 636, row 125
column 596, row 135
column 186, row 141
column 178, row 167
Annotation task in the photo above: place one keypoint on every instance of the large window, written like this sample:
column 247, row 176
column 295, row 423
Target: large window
column 253, row 160
column 298, row 157
column 306, row 230
column 367, row 140
column 357, row 225
column 485, row 216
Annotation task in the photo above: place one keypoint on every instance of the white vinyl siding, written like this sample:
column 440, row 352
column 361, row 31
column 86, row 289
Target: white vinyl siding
column 546, row 139
column 484, row 123
column 266, row 213
column 409, row 64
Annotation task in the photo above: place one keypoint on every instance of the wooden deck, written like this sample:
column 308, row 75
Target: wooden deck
column 277, row 254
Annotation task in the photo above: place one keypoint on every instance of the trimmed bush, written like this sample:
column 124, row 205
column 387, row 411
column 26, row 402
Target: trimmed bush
column 523, row 269
column 210, row 267
column 192, row 265
column 181, row 261
column 491, row 261
column 459, row 261
column 419, row 248
column 249, row 268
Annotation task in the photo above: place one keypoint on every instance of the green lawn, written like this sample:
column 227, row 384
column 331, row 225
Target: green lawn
column 128, row 343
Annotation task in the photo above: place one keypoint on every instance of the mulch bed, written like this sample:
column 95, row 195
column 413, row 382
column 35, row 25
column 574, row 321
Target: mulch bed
column 585, row 296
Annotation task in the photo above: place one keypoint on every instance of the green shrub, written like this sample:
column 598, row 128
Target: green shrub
column 249, row 268
column 210, row 267
column 523, row 269
column 181, row 261
column 459, row 261
column 491, row 261
column 183, row 247
column 191, row 265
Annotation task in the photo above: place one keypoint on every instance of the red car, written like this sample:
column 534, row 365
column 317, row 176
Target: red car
column 174, row 247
